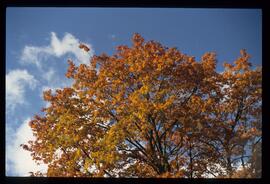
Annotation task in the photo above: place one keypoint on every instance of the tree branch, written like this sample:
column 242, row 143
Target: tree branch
column 106, row 172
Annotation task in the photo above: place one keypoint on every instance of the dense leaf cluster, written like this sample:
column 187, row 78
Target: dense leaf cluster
column 152, row 111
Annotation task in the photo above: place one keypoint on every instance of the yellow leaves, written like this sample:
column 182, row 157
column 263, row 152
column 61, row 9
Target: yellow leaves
column 71, row 69
column 258, row 91
column 240, row 65
column 67, row 118
column 87, row 164
column 145, row 89
column 137, row 40
column 190, row 59
column 78, row 154
column 32, row 124
column 228, row 66
column 154, row 96
column 209, row 57
column 47, row 95
column 76, row 138
column 165, row 105
column 132, row 68
column 209, row 63
column 196, row 100
column 160, row 66
column 141, row 116
column 242, row 62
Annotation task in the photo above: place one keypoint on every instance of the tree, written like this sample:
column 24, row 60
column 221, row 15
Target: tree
column 149, row 111
column 237, row 117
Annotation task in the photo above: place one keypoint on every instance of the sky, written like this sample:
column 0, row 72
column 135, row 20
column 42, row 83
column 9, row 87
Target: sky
column 39, row 41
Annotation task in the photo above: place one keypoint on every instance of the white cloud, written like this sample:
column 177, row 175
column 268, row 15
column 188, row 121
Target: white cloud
column 49, row 75
column 57, row 48
column 39, row 55
column 33, row 55
column 21, row 159
column 16, row 83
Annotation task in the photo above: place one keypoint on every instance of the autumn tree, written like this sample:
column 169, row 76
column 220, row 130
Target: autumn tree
column 237, row 115
column 150, row 111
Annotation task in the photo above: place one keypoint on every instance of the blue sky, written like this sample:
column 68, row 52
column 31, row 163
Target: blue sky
column 40, row 40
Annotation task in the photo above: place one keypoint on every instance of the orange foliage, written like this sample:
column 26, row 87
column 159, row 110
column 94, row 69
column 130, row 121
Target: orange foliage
column 149, row 111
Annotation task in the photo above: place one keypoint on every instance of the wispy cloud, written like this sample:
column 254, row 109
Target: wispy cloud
column 57, row 48
column 46, row 75
column 39, row 56
column 34, row 55
column 49, row 75
column 21, row 159
column 16, row 83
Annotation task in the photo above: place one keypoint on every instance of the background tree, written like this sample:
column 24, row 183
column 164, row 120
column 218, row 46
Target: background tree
column 237, row 117
column 150, row 111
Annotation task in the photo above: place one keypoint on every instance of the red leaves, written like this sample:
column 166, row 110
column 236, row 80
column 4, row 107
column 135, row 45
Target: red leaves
column 151, row 107
column 84, row 47
column 47, row 95
column 71, row 69
column 137, row 40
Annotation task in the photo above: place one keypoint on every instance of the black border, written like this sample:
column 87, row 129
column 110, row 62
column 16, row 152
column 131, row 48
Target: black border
column 251, row 4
